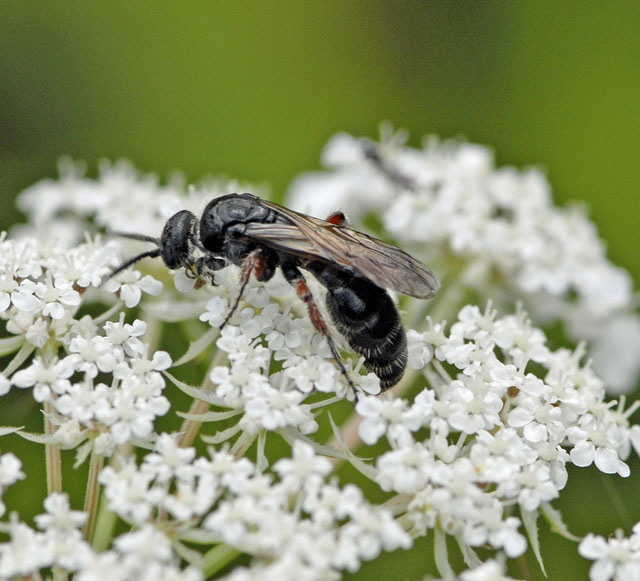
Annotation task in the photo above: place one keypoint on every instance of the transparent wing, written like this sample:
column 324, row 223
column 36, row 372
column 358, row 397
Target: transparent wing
column 382, row 263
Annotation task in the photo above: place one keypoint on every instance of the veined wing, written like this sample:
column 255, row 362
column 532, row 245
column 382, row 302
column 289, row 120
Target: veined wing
column 382, row 263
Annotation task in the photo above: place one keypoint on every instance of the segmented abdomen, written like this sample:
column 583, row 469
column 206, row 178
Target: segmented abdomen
column 365, row 314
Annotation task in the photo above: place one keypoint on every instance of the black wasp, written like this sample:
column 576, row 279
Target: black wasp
column 261, row 236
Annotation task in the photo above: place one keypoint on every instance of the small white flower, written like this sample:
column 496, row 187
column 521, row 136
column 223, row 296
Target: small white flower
column 81, row 401
column 56, row 296
column 169, row 460
column 131, row 418
column 329, row 504
column 617, row 558
column 386, row 416
column 10, row 470
column 368, row 533
column 419, row 352
column 130, row 492
column 598, row 443
column 130, row 286
column 472, row 405
column 126, row 335
column 10, row 473
column 46, row 379
column 532, row 486
column 147, row 543
column 407, row 469
column 59, row 516
column 105, row 566
column 26, row 552
column 94, row 355
column 303, row 469
column 37, row 331
column 487, row 526
column 84, row 265
column 243, row 350
column 8, row 285
column 69, row 434
column 312, row 373
column 217, row 310
column 143, row 367
column 269, row 408
column 24, row 297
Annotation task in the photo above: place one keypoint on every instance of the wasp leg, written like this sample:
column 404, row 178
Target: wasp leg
column 206, row 265
column 253, row 263
column 295, row 278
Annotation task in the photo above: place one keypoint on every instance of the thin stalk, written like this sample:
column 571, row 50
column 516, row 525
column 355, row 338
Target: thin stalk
column 190, row 427
column 105, row 523
column 52, row 454
column 92, row 494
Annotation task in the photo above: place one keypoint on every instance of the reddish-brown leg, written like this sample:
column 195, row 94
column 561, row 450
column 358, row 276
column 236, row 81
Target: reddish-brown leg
column 319, row 323
column 253, row 264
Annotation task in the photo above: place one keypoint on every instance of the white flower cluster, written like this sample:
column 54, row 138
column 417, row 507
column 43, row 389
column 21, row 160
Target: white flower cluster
column 42, row 289
column 85, row 408
column 297, row 525
column 499, row 434
column 266, row 331
column 144, row 554
column 477, row 449
column 492, row 230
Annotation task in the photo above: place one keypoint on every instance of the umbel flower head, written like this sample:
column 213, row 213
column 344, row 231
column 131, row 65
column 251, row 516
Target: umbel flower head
column 226, row 453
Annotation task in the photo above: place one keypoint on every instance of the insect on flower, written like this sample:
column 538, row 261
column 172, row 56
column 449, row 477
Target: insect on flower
column 261, row 236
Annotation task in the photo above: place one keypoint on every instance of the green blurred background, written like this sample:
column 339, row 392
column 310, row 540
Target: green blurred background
column 253, row 90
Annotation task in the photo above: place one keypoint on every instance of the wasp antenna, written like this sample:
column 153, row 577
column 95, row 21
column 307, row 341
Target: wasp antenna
column 149, row 254
column 140, row 237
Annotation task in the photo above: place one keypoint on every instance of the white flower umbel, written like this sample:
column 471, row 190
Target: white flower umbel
column 222, row 453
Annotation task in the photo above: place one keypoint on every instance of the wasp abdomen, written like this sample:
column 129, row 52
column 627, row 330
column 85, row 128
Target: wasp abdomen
column 366, row 316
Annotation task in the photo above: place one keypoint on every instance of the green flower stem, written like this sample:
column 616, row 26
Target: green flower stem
column 105, row 522
column 92, row 495
column 52, row 454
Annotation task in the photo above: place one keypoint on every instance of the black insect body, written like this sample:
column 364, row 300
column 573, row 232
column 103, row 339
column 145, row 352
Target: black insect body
column 261, row 236
column 366, row 316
